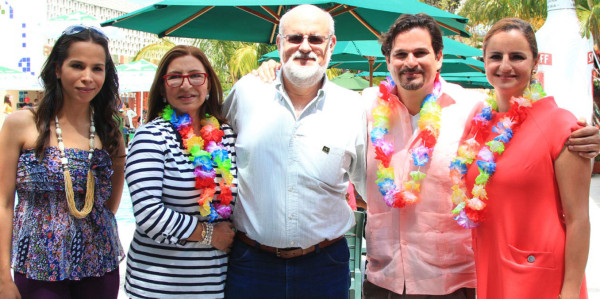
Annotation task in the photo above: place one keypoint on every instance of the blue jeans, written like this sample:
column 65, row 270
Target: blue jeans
column 253, row 273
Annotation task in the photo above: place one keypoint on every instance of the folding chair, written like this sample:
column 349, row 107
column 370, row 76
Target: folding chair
column 354, row 236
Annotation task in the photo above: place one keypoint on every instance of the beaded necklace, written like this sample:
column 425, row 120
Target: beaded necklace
column 429, row 125
column 89, row 193
column 470, row 211
column 209, row 157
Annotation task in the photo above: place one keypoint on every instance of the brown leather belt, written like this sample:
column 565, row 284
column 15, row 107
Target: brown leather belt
column 285, row 253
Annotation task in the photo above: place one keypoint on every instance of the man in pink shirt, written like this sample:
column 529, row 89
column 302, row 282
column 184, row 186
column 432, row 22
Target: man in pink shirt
column 418, row 249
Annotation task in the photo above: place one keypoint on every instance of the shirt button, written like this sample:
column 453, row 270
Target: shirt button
column 531, row 258
column 292, row 216
column 292, row 242
column 291, row 189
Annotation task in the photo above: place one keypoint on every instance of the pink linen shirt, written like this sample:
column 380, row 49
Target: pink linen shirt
column 420, row 247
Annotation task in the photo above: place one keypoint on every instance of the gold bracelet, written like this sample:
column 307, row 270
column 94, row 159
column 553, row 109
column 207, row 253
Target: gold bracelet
column 204, row 229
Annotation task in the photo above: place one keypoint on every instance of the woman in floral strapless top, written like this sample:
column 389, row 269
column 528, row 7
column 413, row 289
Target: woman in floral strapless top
column 65, row 160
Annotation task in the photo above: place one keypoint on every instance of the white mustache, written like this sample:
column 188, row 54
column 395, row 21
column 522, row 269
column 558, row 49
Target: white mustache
column 302, row 55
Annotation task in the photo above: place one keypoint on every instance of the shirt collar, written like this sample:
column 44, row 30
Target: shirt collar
column 321, row 93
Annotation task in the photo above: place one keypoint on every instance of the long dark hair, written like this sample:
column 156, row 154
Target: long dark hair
column 105, row 104
column 211, row 106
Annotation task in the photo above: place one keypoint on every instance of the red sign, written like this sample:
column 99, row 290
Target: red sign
column 590, row 57
column 545, row 59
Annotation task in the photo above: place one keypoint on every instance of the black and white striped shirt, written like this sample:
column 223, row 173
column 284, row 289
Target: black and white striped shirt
column 161, row 182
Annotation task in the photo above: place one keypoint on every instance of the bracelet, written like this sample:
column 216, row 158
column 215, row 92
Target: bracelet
column 208, row 229
column 204, row 229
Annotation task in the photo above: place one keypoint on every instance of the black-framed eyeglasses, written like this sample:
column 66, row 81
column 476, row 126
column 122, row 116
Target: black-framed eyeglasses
column 74, row 29
column 176, row 80
column 313, row 39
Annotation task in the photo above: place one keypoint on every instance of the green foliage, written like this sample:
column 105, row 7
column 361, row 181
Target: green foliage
column 333, row 72
column 152, row 51
column 447, row 5
column 231, row 60
column 488, row 12
column 589, row 16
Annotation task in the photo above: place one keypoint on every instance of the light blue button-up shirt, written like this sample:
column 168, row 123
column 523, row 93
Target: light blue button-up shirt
column 293, row 172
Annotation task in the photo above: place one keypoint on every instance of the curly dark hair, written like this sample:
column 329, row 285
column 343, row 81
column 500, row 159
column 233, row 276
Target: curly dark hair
column 407, row 22
column 212, row 106
column 105, row 104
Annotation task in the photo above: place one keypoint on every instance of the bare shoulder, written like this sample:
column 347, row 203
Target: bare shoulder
column 20, row 127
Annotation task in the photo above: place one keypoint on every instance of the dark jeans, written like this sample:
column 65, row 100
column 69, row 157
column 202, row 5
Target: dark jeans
column 253, row 273
column 103, row 287
column 371, row 291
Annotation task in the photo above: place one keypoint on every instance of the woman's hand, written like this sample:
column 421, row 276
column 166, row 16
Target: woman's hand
column 8, row 290
column 223, row 235
column 266, row 71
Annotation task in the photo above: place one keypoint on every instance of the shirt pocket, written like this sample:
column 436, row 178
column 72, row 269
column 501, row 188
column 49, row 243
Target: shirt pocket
column 322, row 160
column 529, row 258
column 443, row 243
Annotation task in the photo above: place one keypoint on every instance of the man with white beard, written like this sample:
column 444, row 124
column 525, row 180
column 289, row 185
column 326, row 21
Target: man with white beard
column 300, row 139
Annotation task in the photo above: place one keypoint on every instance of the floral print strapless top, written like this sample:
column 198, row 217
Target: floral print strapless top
column 48, row 242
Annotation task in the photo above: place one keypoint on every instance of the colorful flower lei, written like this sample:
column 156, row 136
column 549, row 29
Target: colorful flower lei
column 470, row 212
column 429, row 126
column 209, row 157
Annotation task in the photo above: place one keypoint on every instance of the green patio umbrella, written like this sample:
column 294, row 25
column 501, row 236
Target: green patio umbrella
column 54, row 27
column 350, row 81
column 370, row 52
column 468, row 79
column 11, row 79
column 257, row 20
column 451, row 65
column 465, row 79
column 470, row 82
column 76, row 16
column 136, row 76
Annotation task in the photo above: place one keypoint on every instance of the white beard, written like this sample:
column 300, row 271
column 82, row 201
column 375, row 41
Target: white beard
column 304, row 76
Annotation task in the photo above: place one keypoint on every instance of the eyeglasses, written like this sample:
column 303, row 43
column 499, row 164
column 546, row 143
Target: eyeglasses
column 74, row 29
column 176, row 80
column 313, row 39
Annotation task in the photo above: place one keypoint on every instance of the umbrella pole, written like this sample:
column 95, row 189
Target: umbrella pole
column 371, row 61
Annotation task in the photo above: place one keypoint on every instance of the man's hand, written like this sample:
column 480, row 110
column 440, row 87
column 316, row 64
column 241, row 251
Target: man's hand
column 585, row 141
column 266, row 71
column 223, row 235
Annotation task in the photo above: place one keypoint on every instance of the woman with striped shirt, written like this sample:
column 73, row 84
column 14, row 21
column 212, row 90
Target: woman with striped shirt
column 181, row 175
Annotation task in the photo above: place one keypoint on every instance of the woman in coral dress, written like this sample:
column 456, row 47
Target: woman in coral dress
column 525, row 196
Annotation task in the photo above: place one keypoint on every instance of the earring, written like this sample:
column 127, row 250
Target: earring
column 164, row 100
column 207, row 96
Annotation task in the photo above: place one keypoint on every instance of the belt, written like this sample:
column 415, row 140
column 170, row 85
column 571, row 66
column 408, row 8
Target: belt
column 285, row 253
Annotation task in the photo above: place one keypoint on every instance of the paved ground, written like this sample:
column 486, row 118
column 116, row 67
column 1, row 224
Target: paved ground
column 592, row 270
